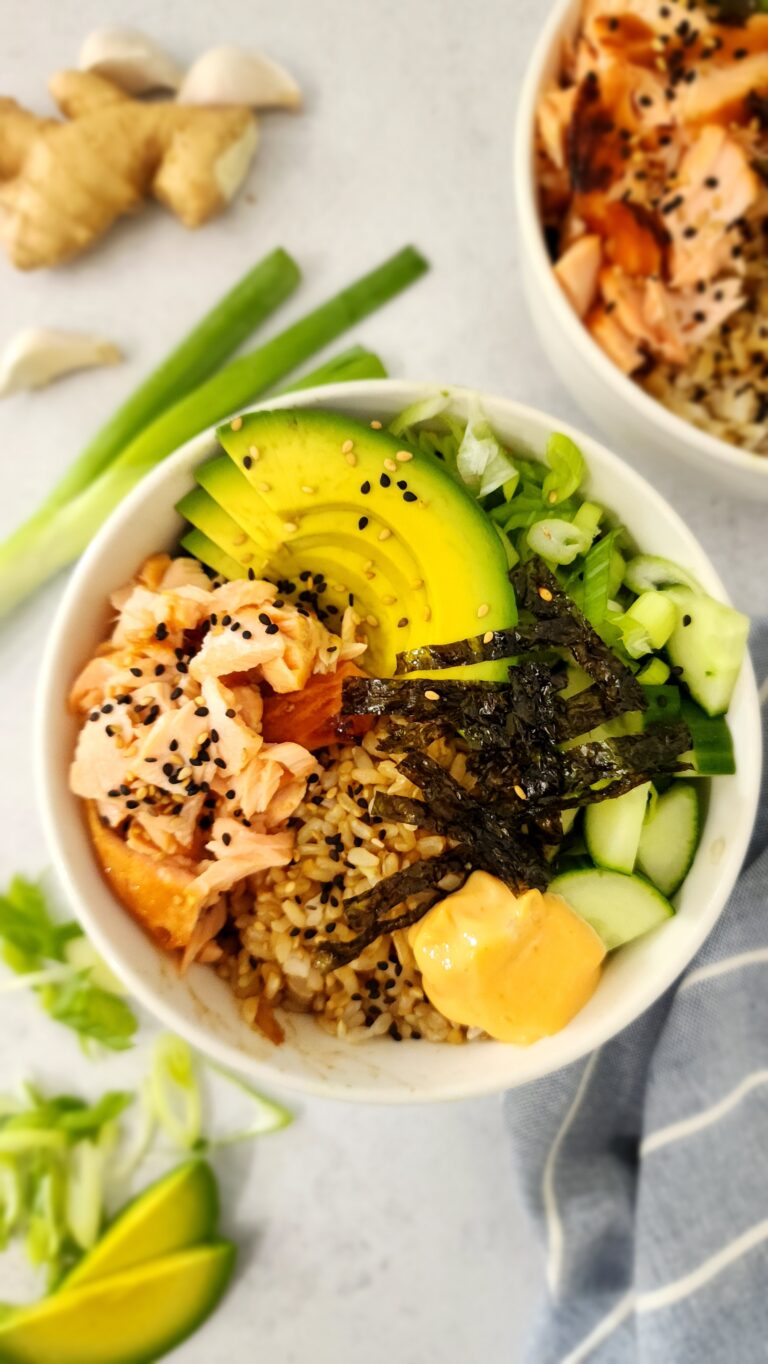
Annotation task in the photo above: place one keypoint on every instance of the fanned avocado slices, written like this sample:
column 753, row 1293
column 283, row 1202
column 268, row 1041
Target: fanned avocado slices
column 338, row 512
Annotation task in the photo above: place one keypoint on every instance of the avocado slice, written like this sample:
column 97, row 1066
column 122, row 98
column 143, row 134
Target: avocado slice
column 131, row 1318
column 176, row 1211
column 200, row 547
column 317, row 493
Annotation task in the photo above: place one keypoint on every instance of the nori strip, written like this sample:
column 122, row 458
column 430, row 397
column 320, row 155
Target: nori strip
column 557, row 623
column 367, row 912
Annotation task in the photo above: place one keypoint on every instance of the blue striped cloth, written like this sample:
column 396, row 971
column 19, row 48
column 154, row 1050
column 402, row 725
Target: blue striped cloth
column 645, row 1166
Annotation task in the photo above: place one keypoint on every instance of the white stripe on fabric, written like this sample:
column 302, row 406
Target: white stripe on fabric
column 690, row 1283
column 686, row 1127
column 721, row 968
column 605, row 1328
column 554, row 1225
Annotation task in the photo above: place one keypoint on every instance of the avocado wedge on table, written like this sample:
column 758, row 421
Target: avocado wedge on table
column 302, row 494
column 134, row 1317
column 179, row 1210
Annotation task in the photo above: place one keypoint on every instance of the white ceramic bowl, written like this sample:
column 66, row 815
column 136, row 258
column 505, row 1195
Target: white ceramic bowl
column 619, row 406
column 199, row 1006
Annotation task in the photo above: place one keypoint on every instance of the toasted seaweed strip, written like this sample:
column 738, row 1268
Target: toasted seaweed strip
column 554, row 634
column 492, row 833
column 367, row 912
column 403, row 810
column 539, row 592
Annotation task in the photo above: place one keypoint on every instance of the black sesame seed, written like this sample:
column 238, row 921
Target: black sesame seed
column 114, row 793
column 162, row 631
column 247, row 461
column 409, row 497
column 294, row 933
column 226, row 839
column 312, row 778
column 310, row 933
column 272, row 629
column 132, row 804
column 168, row 769
column 385, row 480
column 230, row 713
column 330, row 928
column 251, row 575
column 219, row 762
column 356, row 995
column 401, row 483
column 214, row 736
column 247, row 634
column 365, row 487
column 174, row 745
column 699, row 316
column 686, row 620
column 394, row 1032
column 264, row 618
column 182, row 668
column 382, row 966
column 202, row 710
column 107, row 709
column 136, row 672
column 362, row 523
column 226, row 620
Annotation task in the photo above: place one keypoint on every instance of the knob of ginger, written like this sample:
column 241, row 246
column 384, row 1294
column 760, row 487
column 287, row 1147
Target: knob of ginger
column 64, row 183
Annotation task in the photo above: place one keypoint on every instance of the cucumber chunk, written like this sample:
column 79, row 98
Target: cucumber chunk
column 612, row 829
column 618, row 907
column 708, row 643
column 669, row 837
column 712, row 753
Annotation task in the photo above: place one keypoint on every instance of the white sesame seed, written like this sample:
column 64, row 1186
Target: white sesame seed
column 389, row 601
column 372, row 621
column 385, row 533
column 239, row 539
column 236, row 423
column 369, row 573
column 290, row 527
column 246, row 559
column 552, row 496
column 483, row 610
column 488, row 636
column 347, row 446
column 519, row 792
column 307, row 488
column 428, row 614
column 264, row 487
column 376, row 426
column 390, row 466
column 254, row 452
column 418, row 583
column 432, row 695
column 351, row 459
column 403, row 456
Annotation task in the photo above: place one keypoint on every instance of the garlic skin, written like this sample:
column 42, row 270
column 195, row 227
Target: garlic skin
column 40, row 355
column 229, row 75
column 130, row 59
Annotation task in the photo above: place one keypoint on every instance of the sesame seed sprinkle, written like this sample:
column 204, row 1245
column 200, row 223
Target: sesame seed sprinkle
column 403, row 456
column 483, row 610
column 236, row 423
column 347, row 447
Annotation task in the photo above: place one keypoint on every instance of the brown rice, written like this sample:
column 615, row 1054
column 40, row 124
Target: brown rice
column 280, row 916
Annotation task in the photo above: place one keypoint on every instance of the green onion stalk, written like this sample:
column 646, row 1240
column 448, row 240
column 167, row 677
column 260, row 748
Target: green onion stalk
column 54, row 538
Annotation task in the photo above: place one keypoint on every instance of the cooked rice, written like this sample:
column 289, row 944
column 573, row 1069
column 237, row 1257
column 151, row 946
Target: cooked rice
column 724, row 388
column 279, row 916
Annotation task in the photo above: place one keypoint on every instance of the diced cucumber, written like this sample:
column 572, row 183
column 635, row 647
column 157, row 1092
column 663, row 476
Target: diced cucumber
column 612, row 829
column 663, row 704
column 669, row 837
column 712, row 753
column 708, row 643
column 618, row 907
column 656, row 614
column 648, row 571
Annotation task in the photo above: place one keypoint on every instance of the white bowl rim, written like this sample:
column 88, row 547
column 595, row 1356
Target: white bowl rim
column 623, row 387
column 48, row 703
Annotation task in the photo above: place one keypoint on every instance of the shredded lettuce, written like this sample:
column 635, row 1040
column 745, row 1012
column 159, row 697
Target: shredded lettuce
column 559, row 542
column 482, row 462
column 52, row 959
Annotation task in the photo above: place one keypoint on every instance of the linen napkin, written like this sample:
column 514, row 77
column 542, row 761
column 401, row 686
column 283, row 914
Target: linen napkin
column 645, row 1165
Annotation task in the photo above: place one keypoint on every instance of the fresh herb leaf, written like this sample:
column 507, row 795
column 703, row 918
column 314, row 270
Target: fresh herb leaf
column 95, row 1014
column 29, row 933
column 173, row 1091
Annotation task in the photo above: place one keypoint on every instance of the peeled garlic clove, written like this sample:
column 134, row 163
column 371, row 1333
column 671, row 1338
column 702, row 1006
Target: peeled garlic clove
column 228, row 75
column 39, row 355
column 129, row 58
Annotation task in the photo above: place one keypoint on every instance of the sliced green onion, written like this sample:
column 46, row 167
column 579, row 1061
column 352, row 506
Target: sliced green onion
column 84, row 1202
column 567, row 468
column 199, row 355
column 617, row 571
column 269, row 1116
column 654, row 674
column 81, row 955
column 657, row 614
column 649, row 571
column 11, row 1199
column 174, row 1092
column 350, row 366
column 597, row 579
column 17, row 1142
column 32, row 980
column 557, row 541
column 588, row 518
column 46, row 1225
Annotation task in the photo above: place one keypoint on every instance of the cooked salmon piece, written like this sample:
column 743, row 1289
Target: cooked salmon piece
column 237, row 852
column 577, row 272
column 553, row 116
column 716, row 185
column 720, row 94
column 155, row 891
column 618, row 345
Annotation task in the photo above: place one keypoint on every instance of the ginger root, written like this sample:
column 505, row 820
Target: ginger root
column 64, row 183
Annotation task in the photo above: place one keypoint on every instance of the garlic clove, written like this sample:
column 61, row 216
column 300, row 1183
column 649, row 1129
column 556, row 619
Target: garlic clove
column 39, row 355
column 129, row 58
column 229, row 75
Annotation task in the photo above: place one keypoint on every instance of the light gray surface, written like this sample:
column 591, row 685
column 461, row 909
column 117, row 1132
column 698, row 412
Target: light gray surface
column 379, row 1234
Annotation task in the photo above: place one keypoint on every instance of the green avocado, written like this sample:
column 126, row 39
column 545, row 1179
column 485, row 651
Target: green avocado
column 134, row 1317
column 375, row 523
column 178, row 1210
